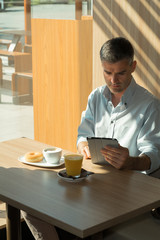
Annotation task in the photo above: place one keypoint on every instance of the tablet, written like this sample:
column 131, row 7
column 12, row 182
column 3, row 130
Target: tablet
column 96, row 144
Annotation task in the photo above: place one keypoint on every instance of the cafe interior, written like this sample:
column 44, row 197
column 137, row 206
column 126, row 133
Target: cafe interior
column 49, row 64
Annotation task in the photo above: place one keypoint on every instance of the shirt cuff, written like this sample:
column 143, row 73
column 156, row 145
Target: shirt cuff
column 81, row 139
column 154, row 162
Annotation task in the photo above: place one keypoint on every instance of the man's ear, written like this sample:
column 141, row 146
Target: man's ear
column 134, row 64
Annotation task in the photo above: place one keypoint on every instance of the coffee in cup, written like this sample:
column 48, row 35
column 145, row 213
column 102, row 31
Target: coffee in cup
column 73, row 164
column 52, row 155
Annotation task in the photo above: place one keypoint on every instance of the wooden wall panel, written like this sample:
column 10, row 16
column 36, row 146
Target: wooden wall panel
column 0, row 71
column 62, row 78
column 138, row 21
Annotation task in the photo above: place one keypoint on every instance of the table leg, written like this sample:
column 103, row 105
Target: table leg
column 13, row 223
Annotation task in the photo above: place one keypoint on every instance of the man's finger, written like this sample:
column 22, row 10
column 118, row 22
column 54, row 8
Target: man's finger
column 86, row 149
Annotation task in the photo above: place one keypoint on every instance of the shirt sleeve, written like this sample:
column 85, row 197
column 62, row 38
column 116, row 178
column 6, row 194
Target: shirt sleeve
column 86, row 127
column 148, row 141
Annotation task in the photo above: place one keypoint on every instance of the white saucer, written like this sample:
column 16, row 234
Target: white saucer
column 63, row 175
column 43, row 163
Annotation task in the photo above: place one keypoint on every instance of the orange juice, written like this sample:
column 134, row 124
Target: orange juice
column 73, row 164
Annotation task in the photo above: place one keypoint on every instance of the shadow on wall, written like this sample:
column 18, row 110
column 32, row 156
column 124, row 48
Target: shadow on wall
column 139, row 22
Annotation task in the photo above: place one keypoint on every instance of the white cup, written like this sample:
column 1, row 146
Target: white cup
column 52, row 154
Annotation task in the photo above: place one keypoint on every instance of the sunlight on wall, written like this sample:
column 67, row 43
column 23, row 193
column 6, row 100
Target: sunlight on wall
column 140, row 23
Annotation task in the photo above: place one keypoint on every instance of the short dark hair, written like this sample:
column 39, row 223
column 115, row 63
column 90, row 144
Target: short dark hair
column 117, row 49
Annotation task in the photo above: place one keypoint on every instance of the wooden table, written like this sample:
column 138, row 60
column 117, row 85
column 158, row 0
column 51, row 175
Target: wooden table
column 101, row 201
column 22, row 87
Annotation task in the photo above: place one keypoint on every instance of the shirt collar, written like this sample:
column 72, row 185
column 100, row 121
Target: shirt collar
column 127, row 96
column 107, row 93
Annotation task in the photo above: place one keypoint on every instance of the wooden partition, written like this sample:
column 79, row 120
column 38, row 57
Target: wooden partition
column 0, row 71
column 62, row 78
column 138, row 21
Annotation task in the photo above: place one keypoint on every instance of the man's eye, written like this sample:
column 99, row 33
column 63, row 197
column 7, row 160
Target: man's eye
column 121, row 73
column 108, row 73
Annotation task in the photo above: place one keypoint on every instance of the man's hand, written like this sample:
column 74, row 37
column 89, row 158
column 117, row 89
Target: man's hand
column 120, row 159
column 117, row 157
column 84, row 149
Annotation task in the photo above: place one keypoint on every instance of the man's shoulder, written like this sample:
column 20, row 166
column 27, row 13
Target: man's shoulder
column 145, row 95
column 97, row 95
column 98, row 90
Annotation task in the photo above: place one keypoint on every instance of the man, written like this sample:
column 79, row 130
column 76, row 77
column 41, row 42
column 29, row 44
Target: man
column 123, row 110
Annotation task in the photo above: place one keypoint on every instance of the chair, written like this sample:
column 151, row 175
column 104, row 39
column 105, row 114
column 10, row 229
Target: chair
column 22, row 87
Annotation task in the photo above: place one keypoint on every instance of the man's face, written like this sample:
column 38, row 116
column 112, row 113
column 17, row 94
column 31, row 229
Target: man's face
column 118, row 75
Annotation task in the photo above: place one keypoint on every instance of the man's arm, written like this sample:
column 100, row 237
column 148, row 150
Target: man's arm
column 84, row 149
column 141, row 163
column 120, row 159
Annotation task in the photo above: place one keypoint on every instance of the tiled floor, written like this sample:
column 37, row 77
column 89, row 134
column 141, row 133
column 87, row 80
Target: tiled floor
column 16, row 121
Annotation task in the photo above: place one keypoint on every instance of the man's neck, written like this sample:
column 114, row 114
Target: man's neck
column 116, row 98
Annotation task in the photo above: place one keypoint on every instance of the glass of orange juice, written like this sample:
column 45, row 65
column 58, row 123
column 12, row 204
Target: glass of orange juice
column 73, row 164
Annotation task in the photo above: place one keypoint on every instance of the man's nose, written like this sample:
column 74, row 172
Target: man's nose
column 114, row 78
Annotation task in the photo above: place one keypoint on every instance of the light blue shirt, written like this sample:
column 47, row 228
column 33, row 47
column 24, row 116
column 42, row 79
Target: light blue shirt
column 134, row 122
